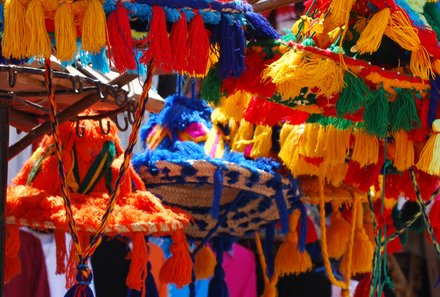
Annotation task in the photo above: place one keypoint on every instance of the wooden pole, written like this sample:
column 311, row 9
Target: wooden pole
column 4, row 144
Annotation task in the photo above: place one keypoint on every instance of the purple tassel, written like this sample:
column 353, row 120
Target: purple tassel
column 282, row 209
column 230, row 37
column 218, row 191
column 82, row 288
column 258, row 27
column 433, row 103
column 217, row 285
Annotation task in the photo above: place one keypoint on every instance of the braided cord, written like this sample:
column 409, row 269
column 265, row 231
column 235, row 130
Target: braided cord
column 409, row 223
column 140, row 112
column 343, row 285
column 83, row 256
column 58, row 152
column 423, row 212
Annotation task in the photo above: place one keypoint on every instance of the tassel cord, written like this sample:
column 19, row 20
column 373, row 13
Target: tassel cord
column 220, row 222
column 326, row 258
column 423, row 212
column 82, row 256
column 274, row 279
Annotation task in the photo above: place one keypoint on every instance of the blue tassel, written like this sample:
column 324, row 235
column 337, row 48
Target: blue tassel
column 84, row 278
column 230, row 37
column 302, row 227
column 433, row 103
column 268, row 249
column 282, row 209
column 218, row 191
column 100, row 61
column 218, row 286
column 150, row 284
column 259, row 28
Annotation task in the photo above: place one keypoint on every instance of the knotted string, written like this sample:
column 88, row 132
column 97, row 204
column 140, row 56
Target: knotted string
column 84, row 274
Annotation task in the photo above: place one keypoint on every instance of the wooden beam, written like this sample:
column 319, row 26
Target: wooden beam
column 45, row 127
column 268, row 5
column 22, row 120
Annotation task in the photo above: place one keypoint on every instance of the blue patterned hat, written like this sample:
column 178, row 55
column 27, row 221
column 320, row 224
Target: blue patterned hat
column 188, row 163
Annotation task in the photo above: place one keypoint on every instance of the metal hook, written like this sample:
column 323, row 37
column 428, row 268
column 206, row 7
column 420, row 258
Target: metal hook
column 12, row 77
column 80, row 130
column 100, row 91
column 107, row 131
column 75, row 80
column 131, row 111
column 120, row 128
column 121, row 99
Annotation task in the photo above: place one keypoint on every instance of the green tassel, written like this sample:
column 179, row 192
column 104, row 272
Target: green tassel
column 211, row 87
column 353, row 96
column 431, row 12
column 376, row 114
column 403, row 111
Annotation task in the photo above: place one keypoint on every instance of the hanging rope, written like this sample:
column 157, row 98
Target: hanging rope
column 84, row 273
column 344, row 285
column 423, row 212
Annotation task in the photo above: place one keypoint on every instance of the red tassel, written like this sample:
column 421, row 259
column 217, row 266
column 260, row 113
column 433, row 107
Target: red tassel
column 198, row 47
column 263, row 112
column 138, row 266
column 158, row 43
column 61, row 252
column 12, row 259
column 121, row 47
column 178, row 39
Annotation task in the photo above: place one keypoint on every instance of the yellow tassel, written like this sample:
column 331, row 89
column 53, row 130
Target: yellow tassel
column 39, row 42
column 204, row 263
column 340, row 11
column 262, row 142
column 429, row 160
column 235, row 105
column 371, row 36
column 309, row 141
column 336, row 145
column 362, row 248
column 270, row 286
column 94, row 27
column 286, row 129
column 334, row 174
column 65, row 33
column 334, row 34
column 338, row 234
column 366, row 148
column 289, row 137
column 404, row 156
column 368, row 226
column 219, row 117
column 404, row 34
column 291, row 74
column 243, row 136
column 301, row 26
column 289, row 260
column 15, row 35
column 360, row 24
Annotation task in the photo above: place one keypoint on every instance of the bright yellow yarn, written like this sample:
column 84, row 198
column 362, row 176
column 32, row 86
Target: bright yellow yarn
column 65, row 33
column 94, row 27
column 38, row 43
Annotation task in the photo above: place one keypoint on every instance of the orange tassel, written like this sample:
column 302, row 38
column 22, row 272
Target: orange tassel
column 138, row 266
column 178, row 39
column 61, row 252
column 198, row 47
column 178, row 268
column 12, row 259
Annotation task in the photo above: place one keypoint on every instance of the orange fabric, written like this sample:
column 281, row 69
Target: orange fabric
column 157, row 259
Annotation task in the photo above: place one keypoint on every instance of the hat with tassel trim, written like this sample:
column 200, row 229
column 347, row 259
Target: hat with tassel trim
column 92, row 165
column 188, row 163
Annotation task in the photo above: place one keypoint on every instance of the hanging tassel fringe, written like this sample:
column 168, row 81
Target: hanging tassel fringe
column 338, row 234
column 178, row 268
column 198, row 47
column 61, row 251
column 39, row 42
column 404, row 156
column 353, row 96
column 289, row 260
column 65, row 33
column 178, row 42
column 262, row 142
column 366, row 148
column 205, row 263
column 94, row 27
column 429, row 160
column 121, row 43
column 82, row 288
column 376, row 114
column 371, row 37
column 138, row 266
column 403, row 111
column 14, row 39
column 217, row 285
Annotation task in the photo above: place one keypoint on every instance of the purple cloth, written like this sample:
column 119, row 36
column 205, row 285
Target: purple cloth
column 32, row 282
column 240, row 272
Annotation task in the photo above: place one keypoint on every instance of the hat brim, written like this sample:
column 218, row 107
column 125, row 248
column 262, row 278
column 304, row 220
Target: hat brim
column 139, row 211
column 189, row 185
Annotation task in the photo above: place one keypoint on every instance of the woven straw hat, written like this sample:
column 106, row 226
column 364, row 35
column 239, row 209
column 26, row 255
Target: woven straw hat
column 180, row 166
column 92, row 164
